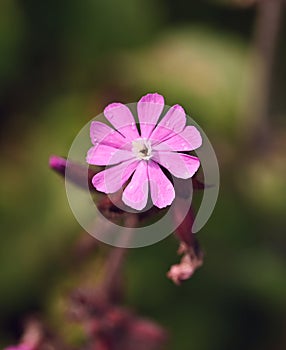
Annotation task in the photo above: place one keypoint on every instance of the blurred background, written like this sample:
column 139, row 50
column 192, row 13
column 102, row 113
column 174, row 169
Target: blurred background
column 61, row 62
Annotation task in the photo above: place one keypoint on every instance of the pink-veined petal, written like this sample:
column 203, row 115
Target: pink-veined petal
column 135, row 194
column 106, row 155
column 188, row 140
column 180, row 165
column 161, row 188
column 122, row 119
column 172, row 123
column 149, row 109
column 160, row 134
column 102, row 133
column 112, row 179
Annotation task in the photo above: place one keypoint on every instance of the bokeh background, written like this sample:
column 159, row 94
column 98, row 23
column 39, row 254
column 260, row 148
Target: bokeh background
column 61, row 62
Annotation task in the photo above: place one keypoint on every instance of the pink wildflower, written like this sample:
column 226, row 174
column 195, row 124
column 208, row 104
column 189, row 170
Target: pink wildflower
column 143, row 154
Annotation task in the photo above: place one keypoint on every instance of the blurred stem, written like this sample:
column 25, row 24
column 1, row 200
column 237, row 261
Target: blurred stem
column 112, row 280
column 268, row 21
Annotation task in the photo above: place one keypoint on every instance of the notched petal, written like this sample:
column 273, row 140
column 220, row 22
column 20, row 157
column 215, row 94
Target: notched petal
column 135, row 194
column 107, row 155
column 161, row 188
column 122, row 119
column 102, row 133
column 149, row 109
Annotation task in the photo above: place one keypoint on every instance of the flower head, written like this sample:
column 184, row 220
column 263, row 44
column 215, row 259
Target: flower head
column 141, row 155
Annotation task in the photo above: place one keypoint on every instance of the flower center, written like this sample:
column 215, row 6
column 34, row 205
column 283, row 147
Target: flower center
column 142, row 149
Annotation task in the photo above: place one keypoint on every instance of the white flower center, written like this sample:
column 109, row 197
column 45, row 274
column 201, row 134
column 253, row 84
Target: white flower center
column 142, row 149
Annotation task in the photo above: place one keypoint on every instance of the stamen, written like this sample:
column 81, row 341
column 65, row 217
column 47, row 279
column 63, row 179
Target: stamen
column 142, row 149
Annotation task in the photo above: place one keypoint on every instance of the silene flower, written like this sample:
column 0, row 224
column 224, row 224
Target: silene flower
column 142, row 154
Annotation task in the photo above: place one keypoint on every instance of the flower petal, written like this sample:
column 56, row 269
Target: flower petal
column 172, row 123
column 122, row 119
column 112, row 179
column 135, row 194
column 107, row 155
column 102, row 133
column 188, row 140
column 149, row 109
column 180, row 165
column 161, row 188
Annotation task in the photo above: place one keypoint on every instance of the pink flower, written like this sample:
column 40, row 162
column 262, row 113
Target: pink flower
column 141, row 155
